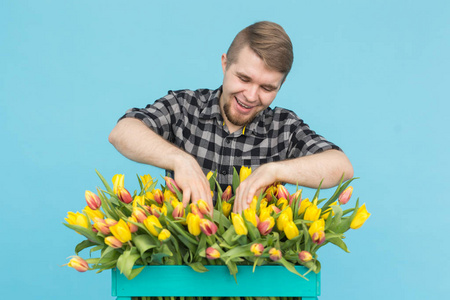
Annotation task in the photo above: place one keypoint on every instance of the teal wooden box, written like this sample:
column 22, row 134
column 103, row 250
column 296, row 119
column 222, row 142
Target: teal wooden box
column 179, row 281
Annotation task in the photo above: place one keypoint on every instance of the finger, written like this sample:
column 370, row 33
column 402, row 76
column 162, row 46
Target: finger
column 186, row 197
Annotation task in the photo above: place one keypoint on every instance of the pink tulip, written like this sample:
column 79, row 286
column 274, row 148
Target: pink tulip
column 78, row 264
column 305, row 256
column 344, row 197
column 92, row 200
column 208, row 227
column 171, row 184
column 212, row 253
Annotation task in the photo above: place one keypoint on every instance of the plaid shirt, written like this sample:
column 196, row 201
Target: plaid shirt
column 192, row 121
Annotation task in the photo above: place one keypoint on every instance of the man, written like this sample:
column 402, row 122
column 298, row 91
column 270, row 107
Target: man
column 193, row 132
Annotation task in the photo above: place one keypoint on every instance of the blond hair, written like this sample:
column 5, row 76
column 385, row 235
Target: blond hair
column 269, row 41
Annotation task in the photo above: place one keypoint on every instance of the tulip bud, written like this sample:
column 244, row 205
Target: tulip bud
column 93, row 214
column 147, row 181
column 158, row 196
column 195, row 210
column 344, row 197
column 282, row 203
column 139, row 201
column 361, row 216
column 155, row 210
column 193, row 222
column 77, row 219
column 113, row 242
column 153, row 225
column 271, row 192
column 208, row 227
column 244, row 172
column 239, row 225
column 316, row 226
column 178, row 211
column 118, row 181
column 318, row 237
column 121, row 231
column 110, row 222
column 102, row 227
column 168, row 196
column 304, row 205
column 291, row 230
column 78, row 264
column 149, row 196
column 250, row 215
column 282, row 192
column 275, row 254
column 171, row 184
column 257, row 249
column 312, row 213
column 296, row 196
column 327, row 212
column 124, row 195
column 227, row 194
column 274, row 208
column 133, row 227
column 226, row 208
column 264, row 214
column 281, row 221
column 139, row 214
column 92, row 200
column 164, row 235
column 265, row 227
column 305, row 256
column 203, row 207
column 212, row 253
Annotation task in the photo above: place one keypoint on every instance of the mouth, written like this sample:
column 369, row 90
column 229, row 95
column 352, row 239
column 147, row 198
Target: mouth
column 242, row 104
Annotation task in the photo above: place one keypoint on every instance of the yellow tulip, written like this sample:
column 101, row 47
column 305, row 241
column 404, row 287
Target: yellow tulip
column 282, row 202
column 244, row 173
column 121, row 231
column 203, row 207
column 281, row 221
column 254, row 202
column 326, row 213
column 316, row 226
column 193, row 222
column 209, row 175
column 250, row 215
column 305, row 256
column 264, row 214
column 164, row 235
column 153, row 225
column 168, row 196
column 118, row 181
column 361, row 216
column 77, row 219
column 93, row 214
column 147, row 181
column 239, row 225
column 304, row 205
column 291, row 230
column 226, row 208
column 312, row 213
column 138, row 200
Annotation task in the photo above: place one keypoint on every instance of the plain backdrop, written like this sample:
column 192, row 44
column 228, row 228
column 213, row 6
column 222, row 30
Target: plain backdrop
column 371, row 76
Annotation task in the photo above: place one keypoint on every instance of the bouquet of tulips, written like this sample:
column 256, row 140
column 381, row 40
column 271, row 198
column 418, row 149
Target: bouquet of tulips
column 151, row 227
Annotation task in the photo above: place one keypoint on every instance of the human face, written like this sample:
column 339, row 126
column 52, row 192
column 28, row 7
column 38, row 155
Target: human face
column 249, row 87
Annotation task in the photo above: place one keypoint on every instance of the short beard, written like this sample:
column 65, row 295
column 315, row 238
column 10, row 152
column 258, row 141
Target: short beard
column 232, row 119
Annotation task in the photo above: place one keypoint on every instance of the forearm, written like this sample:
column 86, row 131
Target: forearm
column 310, row 170
column 136, row 141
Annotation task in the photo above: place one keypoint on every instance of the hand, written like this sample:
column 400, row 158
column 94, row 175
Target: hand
column 262, row 177
column 193, row 183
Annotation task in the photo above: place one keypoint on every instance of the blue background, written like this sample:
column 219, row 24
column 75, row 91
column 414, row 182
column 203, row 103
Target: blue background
column 371, row 76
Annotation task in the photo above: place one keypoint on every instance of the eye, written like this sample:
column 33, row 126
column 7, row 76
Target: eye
column 243, row 79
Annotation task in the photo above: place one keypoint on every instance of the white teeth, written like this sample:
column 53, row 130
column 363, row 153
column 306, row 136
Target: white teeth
column 242, row 104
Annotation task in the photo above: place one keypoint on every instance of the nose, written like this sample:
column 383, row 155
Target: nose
column 251, row 93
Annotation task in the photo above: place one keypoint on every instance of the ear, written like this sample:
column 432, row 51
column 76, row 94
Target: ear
column 224, row 62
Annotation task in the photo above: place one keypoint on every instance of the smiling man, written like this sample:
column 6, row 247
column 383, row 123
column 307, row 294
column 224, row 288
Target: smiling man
column 190, row 133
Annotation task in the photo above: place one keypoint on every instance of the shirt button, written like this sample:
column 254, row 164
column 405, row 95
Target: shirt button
column 228, row 141
column 224, row 172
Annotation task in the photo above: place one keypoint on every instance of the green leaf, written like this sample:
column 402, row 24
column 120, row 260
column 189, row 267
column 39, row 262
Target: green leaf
column 316, row 195
column 83, row 245
column 88, row 233
column 338, row 242
column 198, row 267
column 338, row 191
column 144, row 242
column 290, row 267
column 126, row 261
column 105, row 183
